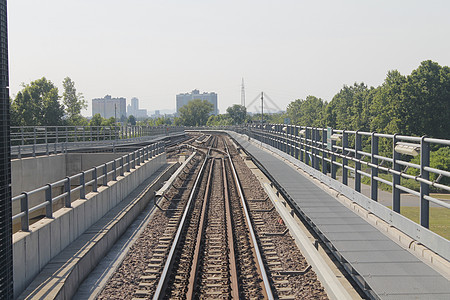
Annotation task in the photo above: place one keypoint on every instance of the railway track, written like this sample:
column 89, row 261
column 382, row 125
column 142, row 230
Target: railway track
column 220, row 239
column 205, row 265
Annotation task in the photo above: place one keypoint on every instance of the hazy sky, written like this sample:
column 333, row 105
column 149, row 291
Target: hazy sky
column 155, row 49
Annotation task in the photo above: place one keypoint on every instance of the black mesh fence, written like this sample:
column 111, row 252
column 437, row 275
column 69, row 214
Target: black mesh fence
column 6, row 271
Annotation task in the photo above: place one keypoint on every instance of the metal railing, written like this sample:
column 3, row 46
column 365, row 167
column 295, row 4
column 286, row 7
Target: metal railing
column 30, row 140
column 79, row 183
column 357, row 153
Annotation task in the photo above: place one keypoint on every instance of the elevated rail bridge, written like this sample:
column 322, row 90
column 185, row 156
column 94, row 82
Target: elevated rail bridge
column 330, row 178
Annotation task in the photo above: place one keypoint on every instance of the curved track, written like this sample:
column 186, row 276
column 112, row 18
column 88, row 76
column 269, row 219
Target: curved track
column 219, row 240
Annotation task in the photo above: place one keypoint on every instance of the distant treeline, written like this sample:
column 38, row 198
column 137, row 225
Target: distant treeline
column 417, row 104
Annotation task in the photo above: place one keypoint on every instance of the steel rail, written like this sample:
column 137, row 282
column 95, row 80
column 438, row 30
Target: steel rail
column 260, row 264
column 232, row 257
column 159, row 292
column 198, row 245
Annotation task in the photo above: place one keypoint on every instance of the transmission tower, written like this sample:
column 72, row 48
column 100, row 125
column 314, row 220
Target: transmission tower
column 242, row 93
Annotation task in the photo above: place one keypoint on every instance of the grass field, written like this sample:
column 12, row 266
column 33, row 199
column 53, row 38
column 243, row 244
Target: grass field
column 441, row 196
column 439, row 218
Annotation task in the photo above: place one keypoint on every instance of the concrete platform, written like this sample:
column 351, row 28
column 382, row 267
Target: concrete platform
column 382, row 268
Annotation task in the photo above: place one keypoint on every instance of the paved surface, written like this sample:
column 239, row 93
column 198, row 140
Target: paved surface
column 381, row 267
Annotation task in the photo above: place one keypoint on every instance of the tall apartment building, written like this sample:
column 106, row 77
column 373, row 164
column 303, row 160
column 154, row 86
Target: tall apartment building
column 133, row 109
column 183, row 99
column 109, row 107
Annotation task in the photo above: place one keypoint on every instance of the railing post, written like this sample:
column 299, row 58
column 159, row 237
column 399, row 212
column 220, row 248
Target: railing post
column 313, row 148
column 105, row 172
column 296, row 135
column 357, row 164
column 121, row 166
column 128, row 162
column 94, row 176
column 374, row 171
column 333, row 159
column 133, row 160
column 83, row 186
column 324, row 148
column 280, row 137
column 344, row 159
column 67, row 187
column 276, row 138
column 306, row 147
column 49, row 200
column 114, row 170
column 424, row 188
column 24, row 208
column 289, row 140
column 301, row 144
column 395, row 177
column 318, row 147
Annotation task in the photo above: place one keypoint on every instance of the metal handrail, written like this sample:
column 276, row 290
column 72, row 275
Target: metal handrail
column 125, row 163
column 58, row 139
column 312, row 147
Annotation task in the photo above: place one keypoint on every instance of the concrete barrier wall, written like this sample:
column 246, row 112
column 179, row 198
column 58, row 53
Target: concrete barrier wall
column 30, row 173
column 34, row 249
column 77, row 162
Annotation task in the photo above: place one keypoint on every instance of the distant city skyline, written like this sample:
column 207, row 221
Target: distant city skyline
column 134, row 110
column 288, row 49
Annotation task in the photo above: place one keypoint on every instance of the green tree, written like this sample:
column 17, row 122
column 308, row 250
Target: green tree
column 219, row 120
column 350, row 108
column 308, row 112
column 387, row 105
column 38, row 104
column 14, row 114
column 237, row 113
column 74, row 102
column 426, row 101
column 131, row 120
column 162, row 121
column 109, row 122
column 416, row 104
column 96, row 120
column 195, row 113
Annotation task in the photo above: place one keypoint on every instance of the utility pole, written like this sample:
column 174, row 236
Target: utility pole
column 115, row 113
column 262, row 108
column 242, row 93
